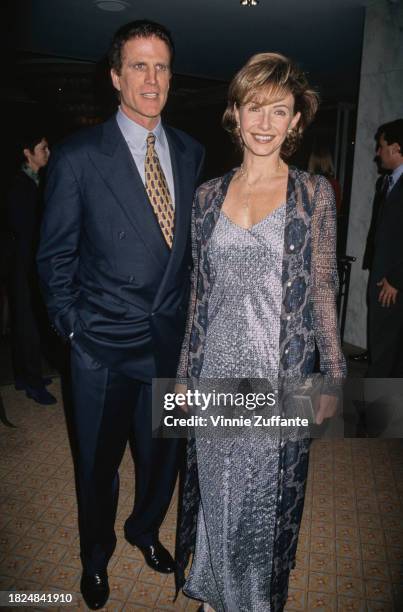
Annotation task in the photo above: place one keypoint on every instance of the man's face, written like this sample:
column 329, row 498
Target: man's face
column 144, row 79
column 387, row 154
column 38, row 158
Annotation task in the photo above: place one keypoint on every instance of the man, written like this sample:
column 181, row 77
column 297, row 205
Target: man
column 386, row 277
column 380, row 187
column 23, row 220
column 115, row 264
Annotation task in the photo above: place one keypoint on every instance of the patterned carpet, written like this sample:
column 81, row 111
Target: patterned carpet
column 350, row 554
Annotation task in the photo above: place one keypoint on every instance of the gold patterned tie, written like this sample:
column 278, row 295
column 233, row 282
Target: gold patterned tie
column 158, row 191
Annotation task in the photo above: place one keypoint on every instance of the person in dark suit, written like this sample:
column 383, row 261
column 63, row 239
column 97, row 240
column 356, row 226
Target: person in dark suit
column 23, row 220
column 386, row 275
column 380, row 186
column 115, row 261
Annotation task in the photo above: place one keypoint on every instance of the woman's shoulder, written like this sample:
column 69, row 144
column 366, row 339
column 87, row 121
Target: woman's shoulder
column 316, row 184
column 214, row 187
column 217, row 183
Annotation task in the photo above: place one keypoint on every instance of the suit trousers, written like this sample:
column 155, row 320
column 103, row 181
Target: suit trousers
column 109, row 410
column 385, row 327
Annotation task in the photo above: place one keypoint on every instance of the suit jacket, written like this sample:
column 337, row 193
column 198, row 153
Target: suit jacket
column 106, row 272
column 376, row 204
column 387, row 258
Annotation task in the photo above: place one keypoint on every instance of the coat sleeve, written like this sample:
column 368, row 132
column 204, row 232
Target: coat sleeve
column 325, row 285
column 183, row 365
column 58, row 254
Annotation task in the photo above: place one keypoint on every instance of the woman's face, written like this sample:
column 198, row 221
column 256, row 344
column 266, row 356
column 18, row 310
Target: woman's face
column 39, row 157
column 264, row 127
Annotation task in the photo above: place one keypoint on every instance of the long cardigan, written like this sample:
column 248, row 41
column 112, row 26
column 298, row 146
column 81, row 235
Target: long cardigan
column 308, row 319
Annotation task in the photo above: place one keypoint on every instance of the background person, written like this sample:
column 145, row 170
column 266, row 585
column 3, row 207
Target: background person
column 264, row 288
column 385, row 285
column 24, row 210
column 321, row 162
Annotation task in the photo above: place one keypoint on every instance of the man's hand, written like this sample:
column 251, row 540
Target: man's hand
column 388, row 294
column 327, row 408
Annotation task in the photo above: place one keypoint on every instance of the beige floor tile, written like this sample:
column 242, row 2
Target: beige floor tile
column 375, row 589
column 296, row 600
column 372, row 552
column 348, row 566
column 376, row 570
column 144, row 593
column 395, row 554
column 38, row 570
column 322, row 563
column 346, row 517
column 380, row 606
column 321, row 602
column 63, row 577
column 53, row 552
column 396, row 572
column 350, row 586
column 346, row 548
column 347, row 532
column 350, row 604
column 13, row 565
column 166, row 601
column 299, row 579
column 127, row 568
column 371, row 536
column 322, row 583
column 149, row 576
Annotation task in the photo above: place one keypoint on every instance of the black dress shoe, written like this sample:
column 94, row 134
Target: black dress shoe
column 363, row 356
column 158, row 558
column 95, row 589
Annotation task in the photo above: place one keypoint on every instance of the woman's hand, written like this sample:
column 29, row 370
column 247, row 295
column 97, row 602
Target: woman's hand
column 181, row 388
column 327, row 408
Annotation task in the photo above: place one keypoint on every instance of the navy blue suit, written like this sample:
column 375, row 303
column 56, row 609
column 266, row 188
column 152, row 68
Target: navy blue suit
column 385, row 324
column 109, row 279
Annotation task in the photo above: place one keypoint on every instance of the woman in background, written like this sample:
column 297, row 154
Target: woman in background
column 24, row 216
column 320, row 162
column 263, row 294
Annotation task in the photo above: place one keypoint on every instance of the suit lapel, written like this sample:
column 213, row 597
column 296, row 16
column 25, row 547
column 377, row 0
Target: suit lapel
column 118, row 169
column 184, row 187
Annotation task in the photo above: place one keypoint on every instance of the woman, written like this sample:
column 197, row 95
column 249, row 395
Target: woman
column 263, row 293
column 26, row 308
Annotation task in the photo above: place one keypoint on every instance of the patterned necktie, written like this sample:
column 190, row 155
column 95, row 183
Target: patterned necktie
column 158, row 191
column 388, row 184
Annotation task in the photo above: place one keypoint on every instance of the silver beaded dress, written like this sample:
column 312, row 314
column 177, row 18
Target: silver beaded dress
column 232, row 565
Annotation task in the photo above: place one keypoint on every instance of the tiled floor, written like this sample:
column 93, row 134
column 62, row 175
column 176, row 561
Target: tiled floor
column 350, row 553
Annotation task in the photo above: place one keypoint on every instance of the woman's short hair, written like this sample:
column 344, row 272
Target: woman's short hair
column 265, row 78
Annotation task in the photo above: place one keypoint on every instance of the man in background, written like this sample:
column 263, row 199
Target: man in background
column 385, row 301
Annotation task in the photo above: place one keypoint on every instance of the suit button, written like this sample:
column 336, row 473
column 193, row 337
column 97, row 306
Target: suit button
column 131, row 279
column 189, row 267
column 122, row 235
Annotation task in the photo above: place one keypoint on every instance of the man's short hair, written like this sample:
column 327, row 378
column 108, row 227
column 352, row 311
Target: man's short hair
column 392, row 132
column 141, row 28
